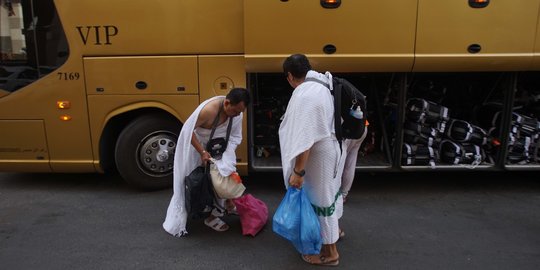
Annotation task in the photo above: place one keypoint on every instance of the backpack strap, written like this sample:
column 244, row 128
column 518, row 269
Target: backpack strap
column 337, row 112
column 228, row 130
column 310, row 79
column 337, row 107
column 216, row 121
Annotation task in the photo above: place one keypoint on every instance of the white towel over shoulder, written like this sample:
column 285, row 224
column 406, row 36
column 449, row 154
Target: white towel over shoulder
column 308, row 119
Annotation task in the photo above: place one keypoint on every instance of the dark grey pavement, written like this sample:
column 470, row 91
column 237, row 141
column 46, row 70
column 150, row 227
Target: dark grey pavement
column 464, row 220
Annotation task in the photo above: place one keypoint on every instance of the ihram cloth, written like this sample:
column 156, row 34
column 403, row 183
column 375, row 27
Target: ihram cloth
column 186, row 159
column 308, row 123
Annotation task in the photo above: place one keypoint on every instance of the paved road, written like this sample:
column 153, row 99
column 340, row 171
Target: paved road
column 392, row 221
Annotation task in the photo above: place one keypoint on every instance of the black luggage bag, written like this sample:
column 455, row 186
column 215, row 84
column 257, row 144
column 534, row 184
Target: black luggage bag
column 461, row 153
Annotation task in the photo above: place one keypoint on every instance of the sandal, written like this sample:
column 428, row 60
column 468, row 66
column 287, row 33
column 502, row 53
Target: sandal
column 323, row 261
column 327, row 262
column 232, row 211
column 216, row 224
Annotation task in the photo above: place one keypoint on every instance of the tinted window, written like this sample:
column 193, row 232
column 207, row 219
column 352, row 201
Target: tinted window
column 32, row 42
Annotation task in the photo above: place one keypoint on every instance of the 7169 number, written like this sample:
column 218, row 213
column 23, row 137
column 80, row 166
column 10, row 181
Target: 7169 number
column 68, row 76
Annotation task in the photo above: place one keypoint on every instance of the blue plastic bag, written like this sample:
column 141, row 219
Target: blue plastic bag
column 296, row 221
column 286, row 220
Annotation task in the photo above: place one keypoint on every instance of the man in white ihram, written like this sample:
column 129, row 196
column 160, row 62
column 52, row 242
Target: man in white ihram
column 191, row 153
column 310, row 153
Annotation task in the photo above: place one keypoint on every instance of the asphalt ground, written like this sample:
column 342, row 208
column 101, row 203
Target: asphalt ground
column 443, row 220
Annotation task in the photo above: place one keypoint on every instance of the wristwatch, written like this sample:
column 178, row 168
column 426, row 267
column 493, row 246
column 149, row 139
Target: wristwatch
column 300, row 173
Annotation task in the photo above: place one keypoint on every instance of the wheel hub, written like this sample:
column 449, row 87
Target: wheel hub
column 156, row 153
column 162, row 155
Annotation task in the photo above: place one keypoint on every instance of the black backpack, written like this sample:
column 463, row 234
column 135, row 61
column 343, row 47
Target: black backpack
column 199, row 193
column 347, row 98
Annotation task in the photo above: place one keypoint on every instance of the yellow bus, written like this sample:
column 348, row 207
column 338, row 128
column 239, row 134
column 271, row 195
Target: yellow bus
column 103, row 86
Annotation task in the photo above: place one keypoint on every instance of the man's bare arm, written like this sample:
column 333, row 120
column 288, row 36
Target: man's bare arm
column 296, row 180
column 201, row 120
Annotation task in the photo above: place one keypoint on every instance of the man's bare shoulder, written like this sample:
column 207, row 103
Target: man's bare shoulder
column 208, row 113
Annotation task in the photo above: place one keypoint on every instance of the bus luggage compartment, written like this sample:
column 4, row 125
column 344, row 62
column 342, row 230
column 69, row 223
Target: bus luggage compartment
column 271, row 93
column 482, row 124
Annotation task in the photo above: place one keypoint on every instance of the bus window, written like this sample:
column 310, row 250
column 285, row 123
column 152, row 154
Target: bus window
column 32, row 42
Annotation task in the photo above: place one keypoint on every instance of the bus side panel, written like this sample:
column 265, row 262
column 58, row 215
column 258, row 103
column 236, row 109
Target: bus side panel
column 68, row 141
column 117, row 85
column 23, row 146
column 217, row 75
column 141, row 75
column 164, row 27
column 368, row 35
column 504, row 30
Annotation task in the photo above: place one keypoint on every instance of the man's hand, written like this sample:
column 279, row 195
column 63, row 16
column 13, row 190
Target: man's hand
column 205, row 157
column 296, row 180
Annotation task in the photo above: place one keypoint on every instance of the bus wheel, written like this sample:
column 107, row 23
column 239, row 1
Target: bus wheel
column 145, row 149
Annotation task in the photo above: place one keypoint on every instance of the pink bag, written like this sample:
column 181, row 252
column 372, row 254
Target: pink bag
column 253, row 214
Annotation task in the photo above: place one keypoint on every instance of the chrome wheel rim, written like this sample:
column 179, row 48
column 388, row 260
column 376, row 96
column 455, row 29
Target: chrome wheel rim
column 156, row 153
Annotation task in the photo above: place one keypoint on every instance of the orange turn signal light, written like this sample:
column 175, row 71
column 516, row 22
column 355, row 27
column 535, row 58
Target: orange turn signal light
column 65, row 117
column 63, row 104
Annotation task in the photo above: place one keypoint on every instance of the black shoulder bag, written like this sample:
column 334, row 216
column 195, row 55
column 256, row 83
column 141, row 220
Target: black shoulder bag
column 217, row 146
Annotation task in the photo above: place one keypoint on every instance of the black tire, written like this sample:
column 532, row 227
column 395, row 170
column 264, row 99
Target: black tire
column 145, row 149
